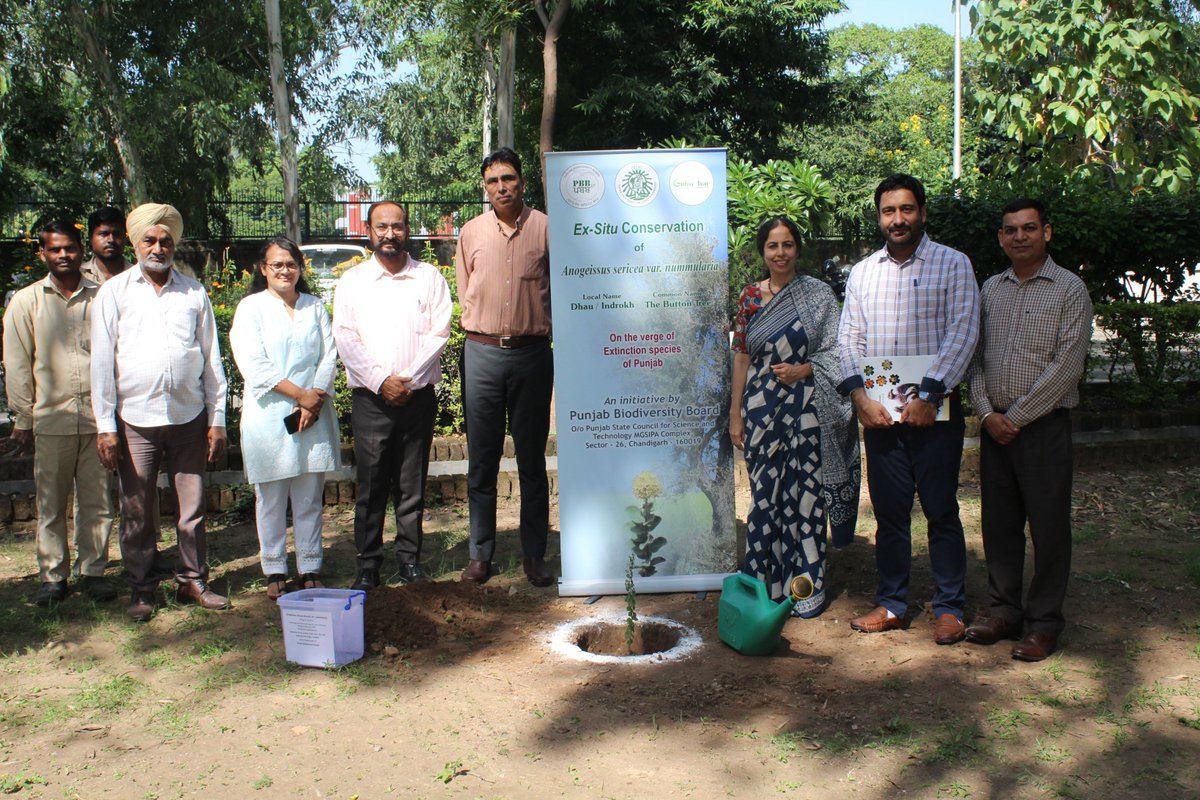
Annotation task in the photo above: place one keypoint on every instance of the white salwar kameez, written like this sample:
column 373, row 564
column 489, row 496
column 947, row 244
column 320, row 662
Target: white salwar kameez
column 270, row 347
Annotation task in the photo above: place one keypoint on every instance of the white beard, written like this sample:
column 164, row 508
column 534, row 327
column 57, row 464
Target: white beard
column 154, row 266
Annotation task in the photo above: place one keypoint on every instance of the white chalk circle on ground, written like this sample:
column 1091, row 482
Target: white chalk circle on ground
column 567, row 637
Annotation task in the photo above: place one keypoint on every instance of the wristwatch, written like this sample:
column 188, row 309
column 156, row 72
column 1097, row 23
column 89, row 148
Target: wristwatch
column 929, row 397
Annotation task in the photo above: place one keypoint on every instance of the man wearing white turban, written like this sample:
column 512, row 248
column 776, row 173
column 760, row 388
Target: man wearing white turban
column 158, row 392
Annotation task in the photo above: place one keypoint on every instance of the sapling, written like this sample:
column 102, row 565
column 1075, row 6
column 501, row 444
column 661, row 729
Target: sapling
column 630, row 606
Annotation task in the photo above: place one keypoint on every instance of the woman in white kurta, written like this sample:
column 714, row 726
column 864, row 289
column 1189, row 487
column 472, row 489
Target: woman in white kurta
column 282, row 342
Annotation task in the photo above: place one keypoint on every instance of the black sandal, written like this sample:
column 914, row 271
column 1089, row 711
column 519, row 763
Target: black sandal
column 276, row 586
column 310, row 580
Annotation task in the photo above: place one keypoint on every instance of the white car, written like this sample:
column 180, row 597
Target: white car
column 328, row 262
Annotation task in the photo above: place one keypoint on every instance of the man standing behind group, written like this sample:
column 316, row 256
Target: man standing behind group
column 503, row 272
column 106, row 237
column 912, row 298
column 391, row 321
column 1037, row 325
column 47, row 370
column 158, row 391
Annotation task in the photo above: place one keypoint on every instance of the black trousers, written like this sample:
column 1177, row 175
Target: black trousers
column 391, row 458
column 1028, row 479
column 508, row 389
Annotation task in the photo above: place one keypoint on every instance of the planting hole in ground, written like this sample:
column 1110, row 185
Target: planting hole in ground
column 608, row 639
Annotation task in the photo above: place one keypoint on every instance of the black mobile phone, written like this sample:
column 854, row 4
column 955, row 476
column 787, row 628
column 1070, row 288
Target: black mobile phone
column 291, row 423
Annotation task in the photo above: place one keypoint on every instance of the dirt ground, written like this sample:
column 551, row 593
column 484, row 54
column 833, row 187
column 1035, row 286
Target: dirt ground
column 460, row 694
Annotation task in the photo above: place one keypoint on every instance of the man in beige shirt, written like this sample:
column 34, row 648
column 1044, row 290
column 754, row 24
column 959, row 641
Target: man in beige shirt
column 106, row 237
column 47, row 363
column 503, row 271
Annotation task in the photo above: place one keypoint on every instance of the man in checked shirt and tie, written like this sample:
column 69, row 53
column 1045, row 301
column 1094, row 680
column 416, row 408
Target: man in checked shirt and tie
column 912, row 298
column 1037, row 325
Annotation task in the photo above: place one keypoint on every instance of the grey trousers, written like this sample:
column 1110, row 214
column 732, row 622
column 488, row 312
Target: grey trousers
column 507, row 389
column 183, row 450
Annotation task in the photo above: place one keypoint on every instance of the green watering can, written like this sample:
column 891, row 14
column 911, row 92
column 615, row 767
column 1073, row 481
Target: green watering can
column 748, row 621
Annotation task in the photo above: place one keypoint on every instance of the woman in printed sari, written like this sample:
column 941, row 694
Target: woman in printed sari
column 798, row 433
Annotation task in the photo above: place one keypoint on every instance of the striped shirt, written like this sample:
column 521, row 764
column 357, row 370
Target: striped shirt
column 387, row 324
column 503, row 278
column 155, row 356
column 1034, row 344
column 927, row 305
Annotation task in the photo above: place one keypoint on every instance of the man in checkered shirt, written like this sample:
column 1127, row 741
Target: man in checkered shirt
column 1037, row 326
column 912, row 298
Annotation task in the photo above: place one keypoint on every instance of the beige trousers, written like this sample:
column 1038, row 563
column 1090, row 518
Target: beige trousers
column 60, row 464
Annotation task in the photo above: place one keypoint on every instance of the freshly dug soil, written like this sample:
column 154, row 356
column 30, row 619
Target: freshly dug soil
column 425, row 614
column 608, row 639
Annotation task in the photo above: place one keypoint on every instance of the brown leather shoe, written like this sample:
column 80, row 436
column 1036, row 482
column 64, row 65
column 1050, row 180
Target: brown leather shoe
column 878, row 621
column 992, row 630
column 195, row 590
column 1035, row 646
column 477, row 571
column 948, row 629
column 141, row 606
column 535, row 570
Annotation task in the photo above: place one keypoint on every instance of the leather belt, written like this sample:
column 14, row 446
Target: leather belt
column 506, row 342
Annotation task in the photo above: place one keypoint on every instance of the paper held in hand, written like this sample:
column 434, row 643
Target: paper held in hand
column 896, row 380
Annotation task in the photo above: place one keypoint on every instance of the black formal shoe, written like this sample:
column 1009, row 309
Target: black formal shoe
column 412, row 573
column 50, row 593
column 141, row 606
column 366, row 579
column 99, row 588
column 536, row 572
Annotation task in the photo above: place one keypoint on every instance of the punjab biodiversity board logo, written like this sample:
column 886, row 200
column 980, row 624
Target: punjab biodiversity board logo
column 637, row 184
column 581, row 185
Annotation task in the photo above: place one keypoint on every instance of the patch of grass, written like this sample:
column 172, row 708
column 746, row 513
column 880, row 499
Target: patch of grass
column 1049, row 753
column 789, row 743
column 895, row 684
column 172, row 720
column 11, row 784
column 263, row 782
column 1086, row 532
column 1005, row 723
column 955, row 789
column 1193, row 721
column 111, row 695
column 1054, row 668
column 355, row 675
column 210, row 650
column 1147, row 698
column 953, row 745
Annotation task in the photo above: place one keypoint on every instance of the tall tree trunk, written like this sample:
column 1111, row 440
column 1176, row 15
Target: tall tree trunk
column 289, row 164
column 505, row 82
column 489, row 94
column 553, row 26
column 128, row 155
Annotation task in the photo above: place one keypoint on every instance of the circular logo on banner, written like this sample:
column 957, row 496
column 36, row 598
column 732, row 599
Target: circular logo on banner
column 691, row 183
column 637, row 184
column 581, row 185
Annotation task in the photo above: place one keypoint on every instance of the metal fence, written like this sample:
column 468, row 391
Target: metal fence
column 255, row 216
